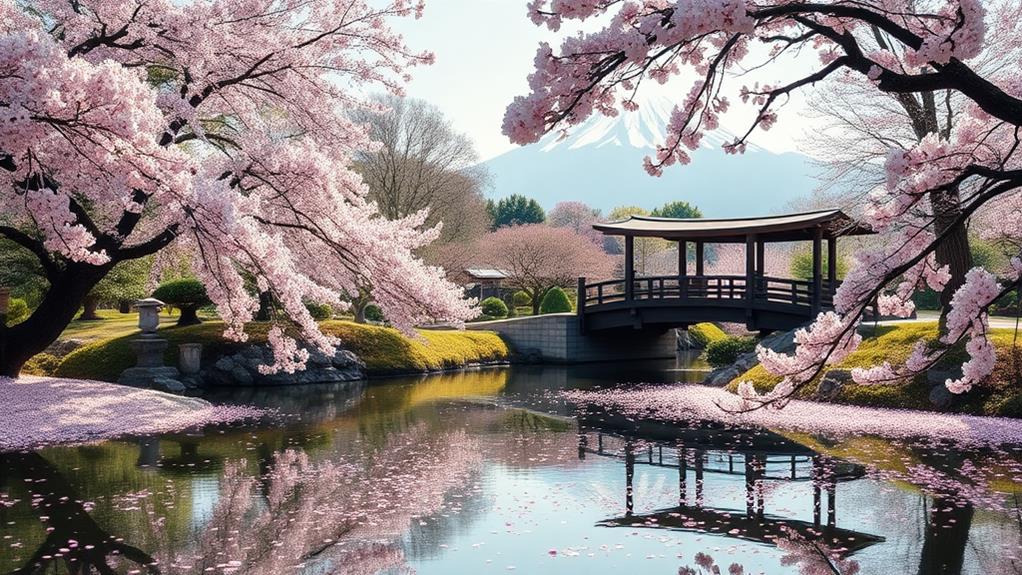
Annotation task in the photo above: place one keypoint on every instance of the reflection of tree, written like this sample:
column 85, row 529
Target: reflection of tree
column 341, row 517
column 811, row 558
column 73, row 537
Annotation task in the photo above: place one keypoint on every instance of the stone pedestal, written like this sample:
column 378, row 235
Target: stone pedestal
column 149, row 351
column 149, row 371
column 190, row 358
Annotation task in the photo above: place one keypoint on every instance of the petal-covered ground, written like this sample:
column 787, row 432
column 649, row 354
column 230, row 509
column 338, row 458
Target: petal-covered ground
column 37, row 411
column 684, row 403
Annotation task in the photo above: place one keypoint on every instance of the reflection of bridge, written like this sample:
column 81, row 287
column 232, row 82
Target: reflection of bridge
column 761, row 302
column 757, row 455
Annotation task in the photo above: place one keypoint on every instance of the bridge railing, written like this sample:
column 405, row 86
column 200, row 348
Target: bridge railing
column 705, row 287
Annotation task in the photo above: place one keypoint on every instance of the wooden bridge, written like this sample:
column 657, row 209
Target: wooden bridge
column 759, row 301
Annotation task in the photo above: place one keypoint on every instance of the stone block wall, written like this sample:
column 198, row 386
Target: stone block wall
column 555, row 338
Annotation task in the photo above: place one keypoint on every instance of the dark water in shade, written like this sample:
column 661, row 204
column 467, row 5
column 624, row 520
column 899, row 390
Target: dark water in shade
column 489, row 472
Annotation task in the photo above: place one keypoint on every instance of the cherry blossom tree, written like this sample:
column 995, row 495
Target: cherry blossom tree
column 929, row 47
column 537, row 257
column 217, row 126
column 578, row 217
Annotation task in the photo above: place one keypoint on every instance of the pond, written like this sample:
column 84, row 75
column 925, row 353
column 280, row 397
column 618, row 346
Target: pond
column 493, row 471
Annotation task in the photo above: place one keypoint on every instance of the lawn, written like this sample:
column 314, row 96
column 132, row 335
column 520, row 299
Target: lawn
column 1000, row 395
column 112, row 323
column 384, row 350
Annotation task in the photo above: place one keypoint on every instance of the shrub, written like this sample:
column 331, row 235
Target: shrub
column 186, row 294
column 521, row 299
column 17, row 311
column 493, row 307
column 726, row 351
column 703, row 334
column 555, row 301
column 374, row 313
column 41, row 364
column 319, row 311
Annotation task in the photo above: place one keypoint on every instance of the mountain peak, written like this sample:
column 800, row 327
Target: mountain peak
column 643, row 129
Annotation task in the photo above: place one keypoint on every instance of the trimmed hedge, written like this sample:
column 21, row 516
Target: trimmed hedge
column 17, row 311
column 555, row 301
column 384, row 350
column 493, row 307
column 319, row 311
column 521, row 299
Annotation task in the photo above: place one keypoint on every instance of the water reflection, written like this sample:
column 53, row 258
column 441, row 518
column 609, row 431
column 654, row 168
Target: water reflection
column 488, row 470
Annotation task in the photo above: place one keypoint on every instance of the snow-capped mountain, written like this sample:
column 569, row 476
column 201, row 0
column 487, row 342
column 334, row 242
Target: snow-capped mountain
column 600, row 162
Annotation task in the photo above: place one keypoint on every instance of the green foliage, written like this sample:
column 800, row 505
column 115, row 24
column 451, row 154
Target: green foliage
column 521, row 299
column 987, row 255
column 802, row 264
column 493, row 307
column 374, row 313
column 678, row 209
column 17, row 311
column 515, row 210
column 41, row 364
column 126, row 281
column 385, row 350
column 725, row 351
column 319, row 311
column 926, row 299
column 555, row 301
column 20, row 271
column 182, row 292
column 623, row 212
column 703, row 334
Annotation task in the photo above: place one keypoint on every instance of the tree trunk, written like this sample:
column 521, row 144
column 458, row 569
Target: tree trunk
column 59, row 306
column 359, row 307
column 537, row 296
column 946, row 539
column 265, row 306
column 89, row 306
column 189, row 315
column 954, row 250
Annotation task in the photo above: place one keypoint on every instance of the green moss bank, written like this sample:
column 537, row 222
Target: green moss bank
column 1000, row 395
column 385, row 351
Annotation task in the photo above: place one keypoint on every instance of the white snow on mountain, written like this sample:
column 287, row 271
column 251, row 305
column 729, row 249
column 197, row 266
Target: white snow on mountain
column 644, row 128
column 600, row 162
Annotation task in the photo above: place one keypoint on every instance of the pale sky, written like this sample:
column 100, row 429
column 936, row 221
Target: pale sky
column 484, row 52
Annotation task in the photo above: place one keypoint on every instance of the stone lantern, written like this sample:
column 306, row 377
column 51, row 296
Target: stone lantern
column 149, row 315
column 149, row 370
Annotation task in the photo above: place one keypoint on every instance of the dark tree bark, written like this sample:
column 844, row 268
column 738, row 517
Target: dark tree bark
column 947, row 535
column 265, row 306
column 189, row 315
column 68, row 520
column 68, row 288
column 89, row 306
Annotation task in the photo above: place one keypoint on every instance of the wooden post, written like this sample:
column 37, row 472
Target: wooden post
column 699, row 258
column 760, row 258
column 629, row 267
column 580, row 304
column 682, row 268
column 831, row 264
column 750, row 270
column 817, row 271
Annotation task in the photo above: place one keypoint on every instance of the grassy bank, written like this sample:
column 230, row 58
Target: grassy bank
column 1000, row 395
column 384, row 350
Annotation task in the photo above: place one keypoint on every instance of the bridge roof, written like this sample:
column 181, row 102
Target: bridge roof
column 782, row 228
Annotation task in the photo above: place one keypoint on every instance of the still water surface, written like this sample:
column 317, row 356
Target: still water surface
column 490, row 472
